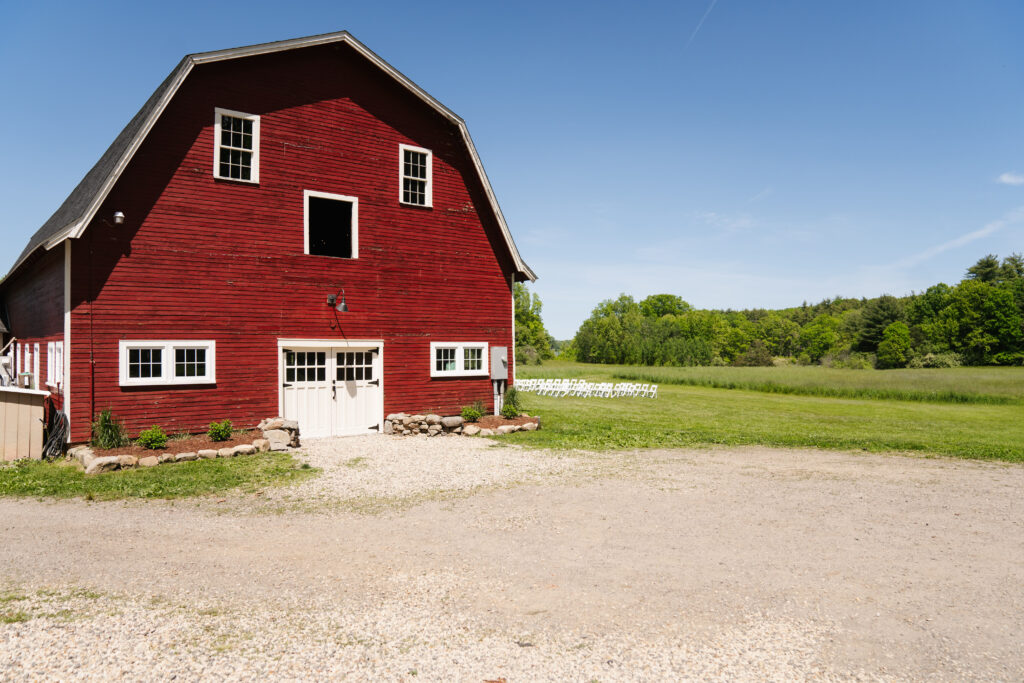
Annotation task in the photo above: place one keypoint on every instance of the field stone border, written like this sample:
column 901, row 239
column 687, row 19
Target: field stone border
column 278, row 434
column 405, row 424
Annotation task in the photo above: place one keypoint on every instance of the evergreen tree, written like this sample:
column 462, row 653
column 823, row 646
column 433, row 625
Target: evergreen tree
column 986, row 269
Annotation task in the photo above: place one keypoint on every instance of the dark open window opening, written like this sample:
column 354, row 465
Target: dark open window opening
column 330, row 227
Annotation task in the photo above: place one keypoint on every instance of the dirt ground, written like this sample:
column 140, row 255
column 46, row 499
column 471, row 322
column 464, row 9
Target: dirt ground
column 715, row 564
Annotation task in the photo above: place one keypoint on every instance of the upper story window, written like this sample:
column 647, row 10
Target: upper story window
column 236, row 154
column 167, row 362
column 331, row 224
column 458, row 359
column 416, row 177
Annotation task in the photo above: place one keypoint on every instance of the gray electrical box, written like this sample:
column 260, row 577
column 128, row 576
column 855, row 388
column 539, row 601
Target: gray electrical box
column 499, row 362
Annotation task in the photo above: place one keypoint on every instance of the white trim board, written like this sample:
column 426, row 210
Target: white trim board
column 354, row 201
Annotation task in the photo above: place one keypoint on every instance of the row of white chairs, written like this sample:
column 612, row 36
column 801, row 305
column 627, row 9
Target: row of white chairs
column 583, row 388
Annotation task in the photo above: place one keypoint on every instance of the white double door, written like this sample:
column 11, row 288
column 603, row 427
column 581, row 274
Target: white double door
column 332, row 391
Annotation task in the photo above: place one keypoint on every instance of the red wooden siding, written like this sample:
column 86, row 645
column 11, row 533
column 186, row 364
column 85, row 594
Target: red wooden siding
column 200, row 258
column 34, row 297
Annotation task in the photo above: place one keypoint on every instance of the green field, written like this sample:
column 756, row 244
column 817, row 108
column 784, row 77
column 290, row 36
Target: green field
column 962, row 412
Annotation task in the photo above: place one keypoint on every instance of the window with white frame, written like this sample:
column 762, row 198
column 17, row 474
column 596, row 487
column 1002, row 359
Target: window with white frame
column 458, row 359
column 146, row 363
column 55, row 363
column 331, row 224
column 236, row 150
column 416, row 176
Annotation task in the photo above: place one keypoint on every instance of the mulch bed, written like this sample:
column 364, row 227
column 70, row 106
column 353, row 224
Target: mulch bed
column 192, row 444
column 495, row 421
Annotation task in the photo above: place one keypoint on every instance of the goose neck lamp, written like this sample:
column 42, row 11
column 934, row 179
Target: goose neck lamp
column 332, row 300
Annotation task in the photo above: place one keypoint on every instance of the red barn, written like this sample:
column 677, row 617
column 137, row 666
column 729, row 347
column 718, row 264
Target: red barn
column 290, row 228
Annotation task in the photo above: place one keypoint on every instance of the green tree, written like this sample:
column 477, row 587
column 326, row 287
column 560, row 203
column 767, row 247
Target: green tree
column 657, row 305
column 1012, row 268
column 756, row 355
column 877, row 315
column 894, row 350
column 779, row 334
column 982, row 322
column 819, row 337
column 530, row 332
column 986, row 269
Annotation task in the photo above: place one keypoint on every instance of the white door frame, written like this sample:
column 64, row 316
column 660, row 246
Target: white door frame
column 284, row 342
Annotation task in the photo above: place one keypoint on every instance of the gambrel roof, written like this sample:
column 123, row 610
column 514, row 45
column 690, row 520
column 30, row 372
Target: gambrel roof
column 71, row 219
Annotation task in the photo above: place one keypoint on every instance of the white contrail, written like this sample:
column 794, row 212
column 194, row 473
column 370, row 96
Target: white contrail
column 700, row 23
column 1012, row 218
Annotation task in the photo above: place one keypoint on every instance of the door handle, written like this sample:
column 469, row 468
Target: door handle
column 334, row 390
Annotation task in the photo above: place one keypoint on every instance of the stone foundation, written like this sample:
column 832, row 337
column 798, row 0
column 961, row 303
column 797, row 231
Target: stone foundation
column 278, row 434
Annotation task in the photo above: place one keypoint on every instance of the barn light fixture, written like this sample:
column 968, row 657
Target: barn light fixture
column 332, row 300
column 118, row 218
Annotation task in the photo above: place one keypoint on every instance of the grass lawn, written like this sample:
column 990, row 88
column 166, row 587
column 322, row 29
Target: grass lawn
column 178, row 480
column 684, row 415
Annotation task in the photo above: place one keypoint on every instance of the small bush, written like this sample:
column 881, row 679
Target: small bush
column 513, row 398
column 855, row 360
column 108, row 432
column 219, row 431
column 474, row 412
column 152, row 438
column 936, row 360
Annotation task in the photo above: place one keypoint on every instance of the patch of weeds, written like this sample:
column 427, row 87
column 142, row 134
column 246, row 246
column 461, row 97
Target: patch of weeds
column 358, row 463
column 179, row 436
column 12, row 597
column 211, row 612
column 64, row 615
column 14, row 617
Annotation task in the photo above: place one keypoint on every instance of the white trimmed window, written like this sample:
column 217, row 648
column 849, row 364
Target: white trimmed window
column 416, row 185
column 54, row 363
column 331, row 224
column 145, row 363
column 236, row 149
column 458, row 359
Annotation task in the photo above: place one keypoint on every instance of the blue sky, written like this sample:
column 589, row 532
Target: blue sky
column 735, row 153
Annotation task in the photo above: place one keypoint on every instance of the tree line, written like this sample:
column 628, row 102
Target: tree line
column 979, row 321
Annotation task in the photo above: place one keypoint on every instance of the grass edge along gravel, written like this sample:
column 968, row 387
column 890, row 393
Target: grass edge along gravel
column 685, row 416
column 62, row 479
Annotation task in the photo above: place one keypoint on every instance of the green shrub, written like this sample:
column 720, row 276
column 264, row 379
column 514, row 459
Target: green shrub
column 936, row 360
column 513, row 400
column 219, row 431
column 152, row 438
column 474, row 412
column 854, row 360
column 108, row 432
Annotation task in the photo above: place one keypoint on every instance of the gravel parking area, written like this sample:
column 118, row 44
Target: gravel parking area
column 482, row 562
column 370, row 473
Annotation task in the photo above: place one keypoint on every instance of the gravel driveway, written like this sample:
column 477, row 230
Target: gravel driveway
column 454, row 559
